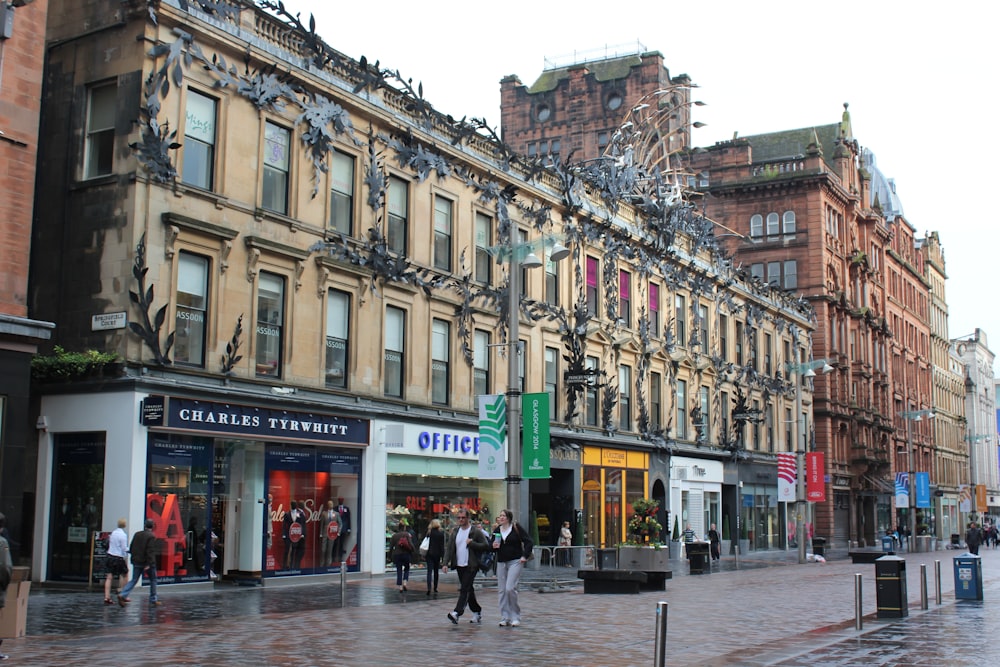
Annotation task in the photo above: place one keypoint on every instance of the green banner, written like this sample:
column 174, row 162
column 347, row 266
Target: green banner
column 535, row 444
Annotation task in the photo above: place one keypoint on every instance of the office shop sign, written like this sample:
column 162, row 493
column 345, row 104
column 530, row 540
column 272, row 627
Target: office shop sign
column 259, row 423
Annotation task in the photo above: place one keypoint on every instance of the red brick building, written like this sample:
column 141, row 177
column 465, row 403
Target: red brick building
column 22, row 50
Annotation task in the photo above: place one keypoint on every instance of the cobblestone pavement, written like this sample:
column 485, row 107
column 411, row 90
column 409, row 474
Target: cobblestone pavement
column 770, row 611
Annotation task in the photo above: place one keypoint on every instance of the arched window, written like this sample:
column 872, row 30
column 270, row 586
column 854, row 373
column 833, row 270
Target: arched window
column 756, row 225
column 788, row 223
column 772, row 224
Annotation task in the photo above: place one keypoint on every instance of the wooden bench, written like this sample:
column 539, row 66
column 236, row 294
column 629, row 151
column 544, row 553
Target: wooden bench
column 866, row 555
column 612, row 581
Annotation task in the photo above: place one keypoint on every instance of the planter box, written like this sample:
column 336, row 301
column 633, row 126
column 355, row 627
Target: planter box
column 644, row 559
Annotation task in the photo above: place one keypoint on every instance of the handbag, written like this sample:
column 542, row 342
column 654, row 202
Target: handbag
column 425, row 545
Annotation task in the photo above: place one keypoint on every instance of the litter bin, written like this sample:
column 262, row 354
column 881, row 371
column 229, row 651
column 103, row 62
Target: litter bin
column 607, row 559
column 888, row 545
column 819, row 546
column 890, row 587
column 968, row 577
column 698, row 555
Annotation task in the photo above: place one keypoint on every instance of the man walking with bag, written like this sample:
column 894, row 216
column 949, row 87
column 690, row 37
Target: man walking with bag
column 461, row 552
column 143, row 550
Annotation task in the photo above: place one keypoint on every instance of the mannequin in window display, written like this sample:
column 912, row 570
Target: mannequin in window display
column 286, row 524
column 329, row 532
column 299, row 548
column 345, row 529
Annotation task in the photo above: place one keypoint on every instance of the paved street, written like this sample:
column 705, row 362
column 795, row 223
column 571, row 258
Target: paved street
column 772, row 611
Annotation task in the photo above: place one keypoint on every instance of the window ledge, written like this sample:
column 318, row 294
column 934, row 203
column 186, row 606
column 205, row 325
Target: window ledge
column 182, row 189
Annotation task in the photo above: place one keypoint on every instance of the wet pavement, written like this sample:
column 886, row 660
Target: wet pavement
column 768, row 611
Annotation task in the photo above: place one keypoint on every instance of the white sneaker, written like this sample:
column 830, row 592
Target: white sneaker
column 515, row 624
column 453, row 617
column 504, row 622
column 477, row 617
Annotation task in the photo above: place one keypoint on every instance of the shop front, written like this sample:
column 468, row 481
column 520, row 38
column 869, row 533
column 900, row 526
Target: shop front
column 696, row 494
column 764, row 522
column 431, row 472
column 234, row 491
column 612, row 480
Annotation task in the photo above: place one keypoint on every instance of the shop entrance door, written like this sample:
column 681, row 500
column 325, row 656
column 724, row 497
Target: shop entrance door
column 77, row 503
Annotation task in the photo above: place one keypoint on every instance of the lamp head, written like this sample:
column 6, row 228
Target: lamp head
column 827, row 368
column 810, row 373
column 531, row 261
column 558, row 252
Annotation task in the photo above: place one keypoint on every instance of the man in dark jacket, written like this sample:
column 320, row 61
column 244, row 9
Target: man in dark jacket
column 143, row 550
column 973, row 538
column 461, row 551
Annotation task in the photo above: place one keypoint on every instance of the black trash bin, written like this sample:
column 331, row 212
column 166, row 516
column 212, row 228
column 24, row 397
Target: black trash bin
column 698, row 555
column 819, row 546
column 890, row 587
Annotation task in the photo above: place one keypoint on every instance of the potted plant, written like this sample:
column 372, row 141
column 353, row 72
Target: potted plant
column 726, row 541
column 643, row 549
column 675, row 538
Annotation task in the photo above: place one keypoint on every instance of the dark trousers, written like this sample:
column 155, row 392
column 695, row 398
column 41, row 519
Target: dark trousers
column 467, row 593
column 433, row 569
column 716, row 550
column 402, row 563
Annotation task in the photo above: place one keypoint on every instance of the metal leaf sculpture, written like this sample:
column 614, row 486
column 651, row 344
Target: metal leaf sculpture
column 149, row 328
column 231, row 357
column 320, row 115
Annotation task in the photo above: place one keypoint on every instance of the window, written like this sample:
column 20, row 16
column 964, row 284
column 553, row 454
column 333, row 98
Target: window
column 602, row 142
column 724, row 408
column 593, row 269
column 703, row 327
column 772, row 224
column 739, row 343
column 756, row 225
column 680, row 314
column 591, row 407
column 654, row 311
column 192, row 304
column 543, row 112
column 752, row 340
column 774, row 274
column 484, row 239
column 625, row 397
column 769, row 425
column 398, row 203
column 395, row 332
column 757, row 271
column 342, row 193
column 522, row 238
column 789, row 428
column 767, row 354
column 551, row 282
column 338, row 314
column 724, row 337
column 788, row 222
column 481, row 363
column 681, row 429
column 655, row 404
column 703, row 406
column 100, row 143
column 270, row 324
column 199, row 140
column 551, row 378
column 442, row 233
column 440, row 368
column 624, row 302
column 614, row 101
column 755, row 426
column 791, row 281
column 275, row 190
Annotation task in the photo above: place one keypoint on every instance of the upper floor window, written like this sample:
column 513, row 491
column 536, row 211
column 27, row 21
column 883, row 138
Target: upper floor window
column 788, row 222
column 772, row 224
column 443, row 212
column 625, row 397
column 724, row 408
column 338, row 314
column 756, row 225
column 593, row 269
column 274, row 193
column 774, row 274
column 768, row 368
column 655, row 403
column 724, row 337
column 592, row 409
column 398, row 204
column 440, row 361
column 342, row 193
column 395, row 332
column 680, row 319
column 624, row 300
column 654, row 310
column 100, row 143
column 270, row 324
column 701, row 428
column 551, row 379
column 481, row 363
column 551, row 281
column 791, row 277
column 681, row 429
column 484, row 240
column 739, row 343
column 199, row 140
column 703, row 327
column 192, row 309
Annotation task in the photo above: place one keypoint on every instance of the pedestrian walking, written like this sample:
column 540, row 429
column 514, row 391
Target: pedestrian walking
column 566, row 541
column 117, row 560
column 435, row 552
column 513, row 547
column 401, row 553
column 461, row 549
column 6, row 571
column 144, row 551
column 715, row 542
column 973, row 538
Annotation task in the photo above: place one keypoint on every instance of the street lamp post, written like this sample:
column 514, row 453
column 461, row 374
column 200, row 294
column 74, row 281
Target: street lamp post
column 529, row 260
column 912, row 416
column 806, row 369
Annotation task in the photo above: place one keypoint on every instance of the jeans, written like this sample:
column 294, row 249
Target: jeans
column 508, row 578
column 402, row 563
column 137, row 572
column 467, row 594
column 433, row 570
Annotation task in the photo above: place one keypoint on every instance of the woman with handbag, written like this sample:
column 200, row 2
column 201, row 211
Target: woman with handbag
column 513, row 547
column 435, row 552
column 401, row 551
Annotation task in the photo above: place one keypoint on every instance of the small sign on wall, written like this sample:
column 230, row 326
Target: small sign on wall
column 106, row 321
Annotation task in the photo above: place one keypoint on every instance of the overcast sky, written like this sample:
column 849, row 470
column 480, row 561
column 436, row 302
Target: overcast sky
column 920, row 79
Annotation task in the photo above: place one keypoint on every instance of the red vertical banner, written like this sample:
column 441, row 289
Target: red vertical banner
column 815, row 482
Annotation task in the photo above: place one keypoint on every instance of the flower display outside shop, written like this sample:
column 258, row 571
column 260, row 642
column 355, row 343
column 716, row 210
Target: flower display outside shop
column 643, row 528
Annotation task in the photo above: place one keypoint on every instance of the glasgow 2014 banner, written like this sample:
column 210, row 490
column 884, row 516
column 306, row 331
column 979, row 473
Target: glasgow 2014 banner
column 787, row 476
column 535, row 445
column 492, row 433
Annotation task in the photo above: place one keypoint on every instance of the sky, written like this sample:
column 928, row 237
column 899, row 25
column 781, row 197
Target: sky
column 920, row 79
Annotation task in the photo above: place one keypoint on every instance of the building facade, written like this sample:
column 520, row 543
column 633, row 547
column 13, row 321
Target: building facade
column 981, row 425
column 22, row 49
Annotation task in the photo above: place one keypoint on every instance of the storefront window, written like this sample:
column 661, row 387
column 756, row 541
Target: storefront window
column 592, row 503
column 77, row 503
column 613, row 506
